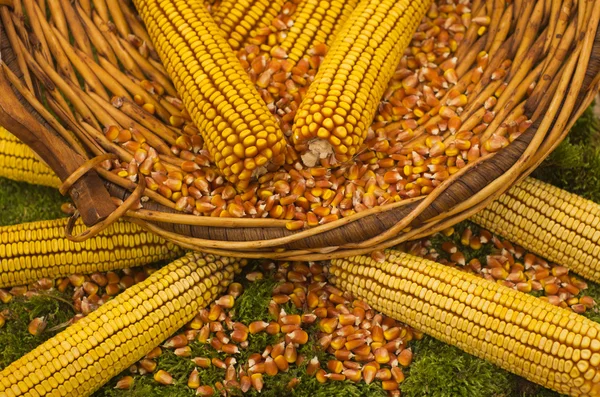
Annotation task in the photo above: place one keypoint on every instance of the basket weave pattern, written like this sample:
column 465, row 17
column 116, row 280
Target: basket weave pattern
column 556, row 51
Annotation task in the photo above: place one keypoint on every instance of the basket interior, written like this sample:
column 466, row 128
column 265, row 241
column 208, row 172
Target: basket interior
column 559, row 94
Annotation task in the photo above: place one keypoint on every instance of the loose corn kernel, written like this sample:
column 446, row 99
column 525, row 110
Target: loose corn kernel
column 31, row 251
column 238, row 129
column 562, row 227
column 315, row 23
column 123, row 330
column 546, row 344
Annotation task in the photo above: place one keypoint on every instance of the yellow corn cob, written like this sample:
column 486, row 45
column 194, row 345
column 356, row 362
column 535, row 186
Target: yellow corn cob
column 523, row 334
column 348, row 7
column 237, row 19
column 341, row 102
column 560, row 226
column 82, row 358
column 315, row 21
column 19, row 163
column 239, row 131
column 31, row 251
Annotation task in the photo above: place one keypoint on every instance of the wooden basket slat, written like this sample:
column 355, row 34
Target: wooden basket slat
column 249, row 239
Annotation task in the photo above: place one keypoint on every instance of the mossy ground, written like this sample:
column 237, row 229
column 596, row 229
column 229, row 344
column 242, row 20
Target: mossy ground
column 438, row 370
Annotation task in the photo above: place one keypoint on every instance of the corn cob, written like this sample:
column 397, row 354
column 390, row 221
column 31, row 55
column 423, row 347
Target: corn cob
column 238, row 129
column 341, row 103
column 237, row 19
column 19, row 163
column 525, row 335
column 315, row 21
column 558, row 225
column 87, row 354
column 31, row 251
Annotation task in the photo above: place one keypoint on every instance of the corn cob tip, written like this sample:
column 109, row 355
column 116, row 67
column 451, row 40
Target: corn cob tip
column 318, row 149
column 122, row 331
column 341, row 103
column 239, row 130
column 549, row 345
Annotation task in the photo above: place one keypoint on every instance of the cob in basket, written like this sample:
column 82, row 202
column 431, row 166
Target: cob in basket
column 451, row 127
column 311, row 133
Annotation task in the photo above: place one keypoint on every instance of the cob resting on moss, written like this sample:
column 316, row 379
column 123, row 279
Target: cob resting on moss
column 31, row 251
column 87, row 354
column 532, row 338
column 549, row 221
column 19, row 163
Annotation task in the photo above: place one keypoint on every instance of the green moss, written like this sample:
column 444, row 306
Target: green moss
column 312, row 347
column 593, row 290
column 253, row 304
column 438, row 239
column 438, row 369
column 309, row 386
column 15, row 340
column 575, row 164
column 179, row 368
column 525, row 388
column 441, row 370
column 586, row 129
column 257, row 343
column 22, row 202
column 145, row 386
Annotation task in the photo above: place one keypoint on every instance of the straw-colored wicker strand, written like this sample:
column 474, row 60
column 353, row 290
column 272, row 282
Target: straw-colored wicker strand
column 516, row 19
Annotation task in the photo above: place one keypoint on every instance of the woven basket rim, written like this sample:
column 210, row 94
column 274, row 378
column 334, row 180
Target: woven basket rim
column 378, row 228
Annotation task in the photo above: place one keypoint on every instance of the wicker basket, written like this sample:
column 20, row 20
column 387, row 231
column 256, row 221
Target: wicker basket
column 540, row 33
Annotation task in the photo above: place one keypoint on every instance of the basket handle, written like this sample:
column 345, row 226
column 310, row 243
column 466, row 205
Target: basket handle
column 88, row 193
column 132, row 200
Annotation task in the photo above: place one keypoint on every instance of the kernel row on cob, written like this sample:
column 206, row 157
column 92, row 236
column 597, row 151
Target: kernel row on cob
column 238, row 130
column 19, row 163
column 341, row 102
column 532, row 214
column 315, row 24
column 186, row 183
column 531, row 338
column 87, row 354
column 238, row 20
column 31, row 251
column 548, row 221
